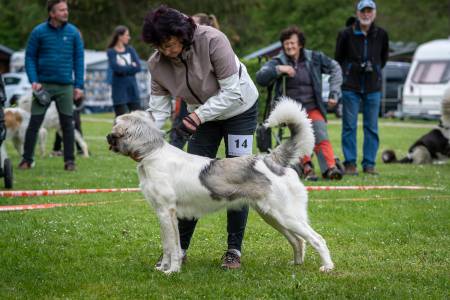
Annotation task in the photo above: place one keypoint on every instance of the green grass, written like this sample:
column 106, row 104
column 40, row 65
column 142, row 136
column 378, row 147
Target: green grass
column 385, row 243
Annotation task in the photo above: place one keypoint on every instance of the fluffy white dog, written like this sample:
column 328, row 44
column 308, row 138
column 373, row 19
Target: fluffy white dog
column 178, row 184
column 51, row 121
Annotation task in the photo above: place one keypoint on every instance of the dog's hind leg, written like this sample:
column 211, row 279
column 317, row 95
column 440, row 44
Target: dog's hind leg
column 421, row 155
column 303, row 229
column 84, row 147
column 42, row 140
column 298, row 244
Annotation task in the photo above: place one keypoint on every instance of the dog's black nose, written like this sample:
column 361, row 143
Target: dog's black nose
column 109, row 138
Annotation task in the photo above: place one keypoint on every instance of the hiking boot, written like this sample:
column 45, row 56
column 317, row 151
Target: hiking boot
column 332, row 173
column 370, row 171
column 308, row 173
column 183, row 259
column 26, row 165
column 231, row 260
column 69, row 166
column 350, row 169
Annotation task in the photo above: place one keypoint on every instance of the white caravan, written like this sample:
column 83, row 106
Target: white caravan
column 427, row 79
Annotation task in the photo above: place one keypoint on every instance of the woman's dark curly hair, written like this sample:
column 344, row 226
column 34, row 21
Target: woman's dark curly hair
column 163, row 22
column 288, row 32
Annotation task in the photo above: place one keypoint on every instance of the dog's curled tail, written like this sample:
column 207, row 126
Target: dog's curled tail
column 301, row 141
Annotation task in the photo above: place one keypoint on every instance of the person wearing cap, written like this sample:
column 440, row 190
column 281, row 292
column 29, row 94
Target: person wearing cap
column 362, row 51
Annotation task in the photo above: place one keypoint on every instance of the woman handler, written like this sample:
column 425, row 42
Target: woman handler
column 197, row 63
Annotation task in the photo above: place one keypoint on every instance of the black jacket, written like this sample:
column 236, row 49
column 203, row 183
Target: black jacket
column 350, row 54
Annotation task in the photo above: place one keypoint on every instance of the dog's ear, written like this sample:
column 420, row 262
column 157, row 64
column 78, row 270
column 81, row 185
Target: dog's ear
column 119, row 131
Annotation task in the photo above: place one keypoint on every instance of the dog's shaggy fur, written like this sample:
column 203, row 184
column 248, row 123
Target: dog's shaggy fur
column 178, row 184
column 16, row 122
column 51, row 121
column 433, row 147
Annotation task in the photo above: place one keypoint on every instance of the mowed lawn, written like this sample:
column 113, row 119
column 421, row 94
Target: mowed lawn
column 385, row 243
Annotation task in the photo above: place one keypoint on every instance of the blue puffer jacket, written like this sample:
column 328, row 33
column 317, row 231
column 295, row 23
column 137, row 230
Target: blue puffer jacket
column 55, row 55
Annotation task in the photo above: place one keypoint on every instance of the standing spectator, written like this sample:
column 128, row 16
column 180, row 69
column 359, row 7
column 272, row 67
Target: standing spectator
column 198, row 64
column 180, row 110
column 124, row 63
column 297, row 73
column 54, row 62
column 362, row 51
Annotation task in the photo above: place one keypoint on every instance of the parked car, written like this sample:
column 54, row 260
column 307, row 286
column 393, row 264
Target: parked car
column 16, row 85
column 394, row 77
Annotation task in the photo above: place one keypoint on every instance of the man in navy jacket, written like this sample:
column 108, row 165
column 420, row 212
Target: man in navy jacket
column 362, row 51
column 54, row 61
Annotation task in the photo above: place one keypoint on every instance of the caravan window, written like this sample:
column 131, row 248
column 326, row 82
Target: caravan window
column 432, row 72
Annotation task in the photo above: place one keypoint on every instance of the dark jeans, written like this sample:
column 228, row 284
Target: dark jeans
column 121, row 109
column 237, row 130
column 63, row 97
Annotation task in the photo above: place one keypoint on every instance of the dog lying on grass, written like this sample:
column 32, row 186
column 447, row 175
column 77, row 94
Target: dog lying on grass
column 178, row 184
column 433, row 147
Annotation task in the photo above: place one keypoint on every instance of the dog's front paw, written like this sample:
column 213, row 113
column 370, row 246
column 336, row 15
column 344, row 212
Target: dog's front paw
column 296, row 262
column 171, row 271
column 327, row 268
column 161, row 267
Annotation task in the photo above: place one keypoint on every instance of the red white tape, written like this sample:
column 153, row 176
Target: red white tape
column 90, row 191
column 12, row 194
column 368, row 187
column 49, row 205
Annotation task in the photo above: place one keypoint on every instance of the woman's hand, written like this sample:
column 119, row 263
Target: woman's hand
column 188, row 125
column 332, row 103
column 285, row 69
column 193, row 117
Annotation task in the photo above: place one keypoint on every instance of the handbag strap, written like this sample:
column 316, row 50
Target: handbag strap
column 268, row 102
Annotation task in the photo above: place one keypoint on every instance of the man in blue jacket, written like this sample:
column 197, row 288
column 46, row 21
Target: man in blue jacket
column 54, row 62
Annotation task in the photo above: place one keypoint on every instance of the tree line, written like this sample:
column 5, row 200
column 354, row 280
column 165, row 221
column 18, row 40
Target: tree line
column 249, row 24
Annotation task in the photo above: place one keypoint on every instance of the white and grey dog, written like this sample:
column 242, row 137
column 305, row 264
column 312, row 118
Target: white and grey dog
column 433, row 147
column 51, row 121
column 178, row 184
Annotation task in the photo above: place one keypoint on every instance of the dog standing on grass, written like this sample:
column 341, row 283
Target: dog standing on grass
column 51, row 121
column 433, row 147
column 179, row 184
column 16, row 122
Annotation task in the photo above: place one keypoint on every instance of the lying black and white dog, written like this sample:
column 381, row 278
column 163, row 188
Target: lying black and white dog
column 178, row 184
column 432, row 147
